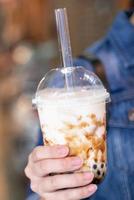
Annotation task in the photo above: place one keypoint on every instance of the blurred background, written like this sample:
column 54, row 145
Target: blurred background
column 28, row 49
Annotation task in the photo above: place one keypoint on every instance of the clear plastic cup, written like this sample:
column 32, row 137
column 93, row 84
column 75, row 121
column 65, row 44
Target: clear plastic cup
column 75, row 117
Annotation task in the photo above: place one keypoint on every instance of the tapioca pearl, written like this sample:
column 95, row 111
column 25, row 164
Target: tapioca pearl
column 96, row 175
column 102, row 165
column 103, row 174
column 98, row 172
column 95, row 170
column 95, row 166
column 104, row 169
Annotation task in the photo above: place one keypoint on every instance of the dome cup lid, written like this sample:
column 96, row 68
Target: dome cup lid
column 61, row 85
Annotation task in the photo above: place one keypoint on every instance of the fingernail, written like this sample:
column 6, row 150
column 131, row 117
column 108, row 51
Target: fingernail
column 63, row 150
column 92, row 188
column 88, row 176
column 76, row 162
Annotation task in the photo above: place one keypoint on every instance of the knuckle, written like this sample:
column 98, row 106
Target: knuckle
column 28, row 173
column 26, row 170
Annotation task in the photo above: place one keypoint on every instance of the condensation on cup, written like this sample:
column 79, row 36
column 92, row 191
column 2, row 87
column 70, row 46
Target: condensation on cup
column 75, row 117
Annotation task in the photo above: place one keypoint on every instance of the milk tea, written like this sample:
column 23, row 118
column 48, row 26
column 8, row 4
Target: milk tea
column 77, row 120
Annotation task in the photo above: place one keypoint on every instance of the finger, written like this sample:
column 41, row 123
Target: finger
column 72, row 194
column 46, row 152
column 53, row 183
column 29, row 174
column 45, row 167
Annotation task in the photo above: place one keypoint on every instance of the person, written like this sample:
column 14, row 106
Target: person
column 116, row 52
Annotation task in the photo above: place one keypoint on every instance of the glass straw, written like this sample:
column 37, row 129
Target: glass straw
column 64, row 39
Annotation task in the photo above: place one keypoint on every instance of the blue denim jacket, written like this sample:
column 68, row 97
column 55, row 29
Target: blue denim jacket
column 116, row 51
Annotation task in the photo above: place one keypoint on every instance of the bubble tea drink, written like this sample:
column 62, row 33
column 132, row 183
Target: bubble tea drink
column 71, row 103
column 76, row 118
